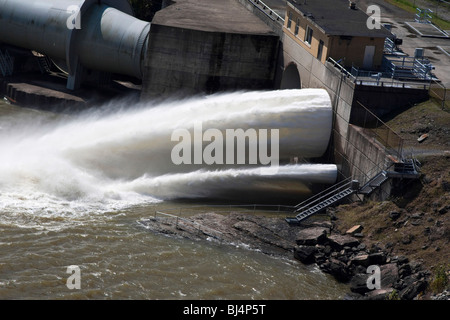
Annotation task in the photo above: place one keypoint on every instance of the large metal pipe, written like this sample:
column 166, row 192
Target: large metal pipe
column 94, row 34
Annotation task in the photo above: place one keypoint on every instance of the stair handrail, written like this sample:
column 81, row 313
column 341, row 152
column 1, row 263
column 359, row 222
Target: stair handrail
column 325, row 193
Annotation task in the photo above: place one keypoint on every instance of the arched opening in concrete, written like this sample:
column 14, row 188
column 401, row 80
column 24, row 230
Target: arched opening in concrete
column 291, row 78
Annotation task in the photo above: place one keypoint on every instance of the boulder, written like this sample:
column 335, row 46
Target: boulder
column 377, row 258
column 389, row 275
column 338, row 242
column 312, row 236
column 394, row 215
column 320, row 258
column 355, row 229
column 405, row 270
column 305, row 253
column 411, row 291
column 358, row 284
column 360, row 260
column 338, row 269
column 379, row 294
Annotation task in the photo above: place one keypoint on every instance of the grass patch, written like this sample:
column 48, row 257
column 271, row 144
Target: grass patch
column 410, row 7
column 440, row 280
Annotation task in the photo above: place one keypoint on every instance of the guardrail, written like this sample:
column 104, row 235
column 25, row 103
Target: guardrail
column 341, row 68
column 409, row 70
column 344, row 184
column 179, row 215
column 439, row 92
column 232, row 208
column 271, row 14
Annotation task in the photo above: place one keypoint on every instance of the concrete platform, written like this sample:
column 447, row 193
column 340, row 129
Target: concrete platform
column 211, row 15
column 427, row 30
column 445, row 50
column 48, row 92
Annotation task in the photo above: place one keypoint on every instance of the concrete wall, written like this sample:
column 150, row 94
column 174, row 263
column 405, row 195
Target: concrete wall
column 365, row 156
column 352, row 50
column 382, row 100
column 314, row 74
column 187, row 61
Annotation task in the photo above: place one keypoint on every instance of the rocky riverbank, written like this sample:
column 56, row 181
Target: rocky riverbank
column 350, row 260
column 344, row 256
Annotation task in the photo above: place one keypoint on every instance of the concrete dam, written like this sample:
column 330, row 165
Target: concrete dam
column 193, row 48
column 190, row 46
column 187, row 49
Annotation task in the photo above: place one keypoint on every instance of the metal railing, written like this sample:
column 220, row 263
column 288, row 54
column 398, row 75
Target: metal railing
column 406, row 67
column 423, row 15
column 389, row 45
column 271, row 13
column 400, row 72
column 228, row 208
column 341, row 68
column 375, row 127
column 439, row 92
column 179, row 216
column 317, row 198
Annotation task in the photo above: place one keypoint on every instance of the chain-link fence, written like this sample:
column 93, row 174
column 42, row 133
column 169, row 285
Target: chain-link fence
column 439, row 92
column 376, row 128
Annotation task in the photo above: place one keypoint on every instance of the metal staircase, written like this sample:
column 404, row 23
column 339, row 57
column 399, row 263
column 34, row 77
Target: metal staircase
column 323, row 200
column 374, row 183
column 407, row 169
column 43, row 62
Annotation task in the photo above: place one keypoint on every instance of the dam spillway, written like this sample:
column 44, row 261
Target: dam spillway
column 126, row 157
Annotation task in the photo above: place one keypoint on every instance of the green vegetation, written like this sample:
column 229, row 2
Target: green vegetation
column 410, row 6
column 440, row 280
column 393, row 295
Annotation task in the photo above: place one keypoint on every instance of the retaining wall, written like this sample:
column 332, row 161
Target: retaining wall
column 186, row 61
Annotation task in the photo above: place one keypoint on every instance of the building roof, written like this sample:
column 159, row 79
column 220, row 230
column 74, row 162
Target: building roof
column 335, row 17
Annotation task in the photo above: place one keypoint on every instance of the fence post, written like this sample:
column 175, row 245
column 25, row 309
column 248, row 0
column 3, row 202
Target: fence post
column 444, row 98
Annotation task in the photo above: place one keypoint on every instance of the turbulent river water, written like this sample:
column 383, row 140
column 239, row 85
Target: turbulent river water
column 73, row 188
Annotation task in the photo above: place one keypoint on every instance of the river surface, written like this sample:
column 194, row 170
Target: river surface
column 45, row 231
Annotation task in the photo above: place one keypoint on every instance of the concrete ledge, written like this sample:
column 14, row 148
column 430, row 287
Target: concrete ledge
column 211, row 15
column 427, row 30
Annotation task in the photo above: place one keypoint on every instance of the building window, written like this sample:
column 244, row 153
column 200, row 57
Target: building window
column 289, row 20
column 308, row 35
column 320, row 50
column 297, row 25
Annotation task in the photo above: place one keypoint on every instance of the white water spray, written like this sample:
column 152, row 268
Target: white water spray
column 124, row 158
